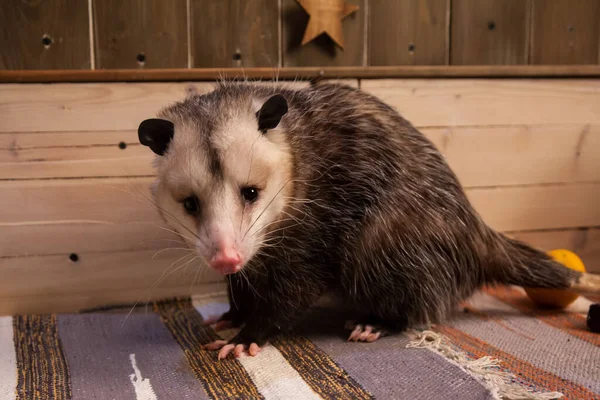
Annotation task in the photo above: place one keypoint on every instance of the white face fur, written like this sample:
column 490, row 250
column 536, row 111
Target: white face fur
column 228, row 211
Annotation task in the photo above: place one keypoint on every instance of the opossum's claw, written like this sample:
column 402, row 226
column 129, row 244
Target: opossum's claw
column 225, row 350
column 364, row 332
column 237, row 349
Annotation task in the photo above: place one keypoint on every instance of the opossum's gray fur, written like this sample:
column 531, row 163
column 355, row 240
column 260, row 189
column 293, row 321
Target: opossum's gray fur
column 375, row 214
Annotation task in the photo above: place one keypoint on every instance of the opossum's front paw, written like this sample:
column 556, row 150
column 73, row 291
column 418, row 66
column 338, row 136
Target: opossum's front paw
column 364, row 332
column 225, row 348
column 237, row 346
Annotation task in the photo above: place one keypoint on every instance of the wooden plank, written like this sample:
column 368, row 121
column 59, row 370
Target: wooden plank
column 91, row 200
column 490, row 102
column 16, row 141
column 72, row 303
column 65, row 237
column 322, row 51
column 584, row 242
column 566, row 32
column 76, row 162
column 55, row 275
column 85, row 107
column 120, row 201
column 73, row 154
column 419, row 40
column 40, row 37
column 153, row 31
column 520, row 155
column 349, row 82
column 538, row 207
column 480, row 156
column 235, row 33
column 295, row 73
column 489, row 32
column 89, row 107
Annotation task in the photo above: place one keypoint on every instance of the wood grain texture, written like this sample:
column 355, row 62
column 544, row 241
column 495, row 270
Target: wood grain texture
column 85, row 107
column 155, row 29
column 125, row 200
column 495, row 156
column 114, row 200
column 480, row 156
column 299, row 73
column 348, row 82
column 73, row 154
column 322, row 51
column 68, row 302
column 489, row 32
column 76, row 162
column 65, row 237
column 419, row 40
column 434, row 102
column 235, row 33
column 18, row 141
column 90, row 107
column 566, row 32
column 36, row 36
column 99, row 271
column 538, row 207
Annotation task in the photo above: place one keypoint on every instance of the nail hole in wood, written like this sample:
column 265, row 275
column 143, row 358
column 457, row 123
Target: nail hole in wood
column 237, row 56
column 571, row 28
column 491, row 25
column 122, row 145
column 141, row 58
column 46, row 40
column 73, row 257
column 411, row 48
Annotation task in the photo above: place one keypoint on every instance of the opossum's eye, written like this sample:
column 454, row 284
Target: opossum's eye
column 250, row 194
column 191, row 205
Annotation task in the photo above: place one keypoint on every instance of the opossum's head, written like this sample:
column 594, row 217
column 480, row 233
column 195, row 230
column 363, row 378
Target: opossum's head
column 224, row 172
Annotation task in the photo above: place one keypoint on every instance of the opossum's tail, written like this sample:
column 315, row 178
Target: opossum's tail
column 516, row 263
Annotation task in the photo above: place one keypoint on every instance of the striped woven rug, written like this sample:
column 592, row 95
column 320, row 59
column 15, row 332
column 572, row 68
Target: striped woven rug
column 498, row 346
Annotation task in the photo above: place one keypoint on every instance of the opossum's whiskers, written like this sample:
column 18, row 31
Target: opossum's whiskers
column 251, row 151
column 162, row 240
column 184, row 266
column 158, row 207
column 177, row 233
column 245, row 276
column 172, row 248
column 168, row 268
column 171, row 215
column 265, row 209
column 195, row 201
column 194, row 280
column 232, row 295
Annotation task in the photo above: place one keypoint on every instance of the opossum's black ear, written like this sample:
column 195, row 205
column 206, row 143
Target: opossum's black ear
column 156, row 134
column 271, row 112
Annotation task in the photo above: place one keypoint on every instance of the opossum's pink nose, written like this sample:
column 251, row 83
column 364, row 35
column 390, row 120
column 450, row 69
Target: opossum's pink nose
column 227, row 261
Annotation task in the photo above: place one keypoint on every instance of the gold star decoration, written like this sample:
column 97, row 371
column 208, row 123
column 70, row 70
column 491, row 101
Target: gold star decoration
column 326, row 17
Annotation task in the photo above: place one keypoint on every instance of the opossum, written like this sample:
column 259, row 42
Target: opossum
column 293, row 193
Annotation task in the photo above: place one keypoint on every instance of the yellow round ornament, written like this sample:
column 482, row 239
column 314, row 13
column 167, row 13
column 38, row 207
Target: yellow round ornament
column 557, row 298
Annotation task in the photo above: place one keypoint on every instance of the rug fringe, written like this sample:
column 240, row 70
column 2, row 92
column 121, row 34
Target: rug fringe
column 485, row 369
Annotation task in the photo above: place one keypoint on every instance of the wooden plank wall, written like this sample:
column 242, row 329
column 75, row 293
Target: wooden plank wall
column 108, row 34
column 74, row 180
